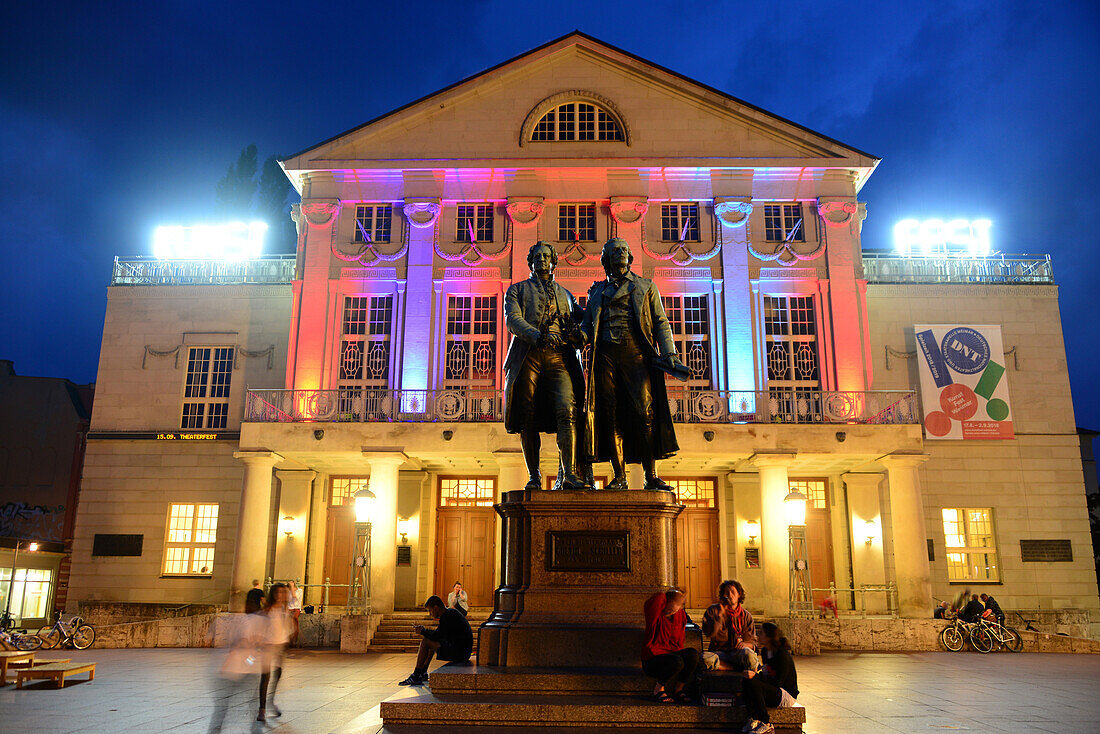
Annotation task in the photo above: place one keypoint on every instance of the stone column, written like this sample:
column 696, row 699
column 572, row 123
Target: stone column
column 911, row 571
column 253, row 519
column 867, row 561
column 775, row 539
column 318, row 527
column 733, row 216
column 309, row 338
column 294, row 502
column 383, row 550
column 512, row 475
column 840, row 228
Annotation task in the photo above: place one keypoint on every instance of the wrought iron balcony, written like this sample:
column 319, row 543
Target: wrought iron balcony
column 1012, row 269
column 368, row 405
column 271, row 269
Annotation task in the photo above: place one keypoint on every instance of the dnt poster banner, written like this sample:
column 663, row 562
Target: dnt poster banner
column 963, row 385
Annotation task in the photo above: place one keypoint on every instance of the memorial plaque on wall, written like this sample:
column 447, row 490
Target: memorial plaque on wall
column 585, row 550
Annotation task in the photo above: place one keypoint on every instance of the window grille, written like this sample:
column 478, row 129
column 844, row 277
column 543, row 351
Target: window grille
column 971, row 545
column 475, row 218
column 680, row 223
column 581, row 121
column 576, row 222
column 783, row 223
column 343, row 489
column 694, row 492
column 206, row 388
column 364, row 369
column 192, row 533
column 373, row 222
column 471, row 359
column 817, row 497
column 689, row 319
column 467, row 491
column 790, row 335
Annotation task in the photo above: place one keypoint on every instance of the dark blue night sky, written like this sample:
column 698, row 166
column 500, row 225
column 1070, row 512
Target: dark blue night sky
column 116, row 117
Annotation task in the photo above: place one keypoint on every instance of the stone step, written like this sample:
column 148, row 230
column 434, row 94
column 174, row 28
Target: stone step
column 473, row 679
column 419, row 706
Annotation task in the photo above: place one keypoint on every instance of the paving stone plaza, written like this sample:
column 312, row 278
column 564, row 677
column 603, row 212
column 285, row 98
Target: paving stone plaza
column 171, row 690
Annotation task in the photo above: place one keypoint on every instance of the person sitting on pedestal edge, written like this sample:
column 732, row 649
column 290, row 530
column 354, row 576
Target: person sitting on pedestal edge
column 542, row 372
column 458, row 599
column 776, row 687
column 627, row 416
column 452, row 640
column 664, row 656
column 728, row 626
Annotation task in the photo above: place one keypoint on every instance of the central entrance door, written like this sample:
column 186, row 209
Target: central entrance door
column 465, row 539
column 697, row 547
column 819, row 535
column 339, row 536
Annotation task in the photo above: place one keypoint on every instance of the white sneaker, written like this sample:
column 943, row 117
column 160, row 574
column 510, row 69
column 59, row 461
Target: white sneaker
column 762, row 728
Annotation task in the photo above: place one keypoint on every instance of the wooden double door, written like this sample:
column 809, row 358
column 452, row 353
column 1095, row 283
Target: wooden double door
column 465, row 546
column 697, row 555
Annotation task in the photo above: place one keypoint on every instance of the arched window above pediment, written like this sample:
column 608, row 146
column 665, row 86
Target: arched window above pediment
column 574, row 116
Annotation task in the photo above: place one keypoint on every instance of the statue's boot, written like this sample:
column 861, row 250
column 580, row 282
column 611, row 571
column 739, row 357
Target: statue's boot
column 618, row 482
column 567, row 449
column 649, row 466
column 532, row 445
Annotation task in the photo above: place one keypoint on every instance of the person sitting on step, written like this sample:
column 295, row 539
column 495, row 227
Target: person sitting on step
column 775, row 687
column 664, row 656
column 728, row 625
column 452, row 640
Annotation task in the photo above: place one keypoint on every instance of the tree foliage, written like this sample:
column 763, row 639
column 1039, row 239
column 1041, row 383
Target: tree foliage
column 241, row 194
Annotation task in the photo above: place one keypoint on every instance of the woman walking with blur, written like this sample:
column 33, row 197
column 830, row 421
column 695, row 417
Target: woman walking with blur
column 278, row 628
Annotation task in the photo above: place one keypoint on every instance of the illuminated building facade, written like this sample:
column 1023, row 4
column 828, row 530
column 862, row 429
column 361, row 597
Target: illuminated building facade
column 241, row 405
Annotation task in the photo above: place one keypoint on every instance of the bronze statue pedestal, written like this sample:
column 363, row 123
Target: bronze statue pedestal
column 576, row 569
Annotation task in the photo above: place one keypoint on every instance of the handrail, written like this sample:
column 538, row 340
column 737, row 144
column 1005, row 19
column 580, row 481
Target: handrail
column 1007, row 269
column 138, row 270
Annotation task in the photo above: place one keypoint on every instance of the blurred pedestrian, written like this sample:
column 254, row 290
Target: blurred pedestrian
column 294, row 607
column 242, row 664
column 458, row 599
column 276, row 636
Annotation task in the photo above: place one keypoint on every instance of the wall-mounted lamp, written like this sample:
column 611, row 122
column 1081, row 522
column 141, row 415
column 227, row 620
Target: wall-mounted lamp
column 403, row 529
column 752, row 529
column 287, row 521
column 32, row 547
column 872, row 531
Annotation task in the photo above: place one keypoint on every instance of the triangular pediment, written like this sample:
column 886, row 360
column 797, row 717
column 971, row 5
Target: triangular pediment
column 480, row 120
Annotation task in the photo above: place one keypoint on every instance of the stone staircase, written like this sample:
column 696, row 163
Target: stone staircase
column 395, row 633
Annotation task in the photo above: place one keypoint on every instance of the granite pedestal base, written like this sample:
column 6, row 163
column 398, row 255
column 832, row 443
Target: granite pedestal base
column 576, row 569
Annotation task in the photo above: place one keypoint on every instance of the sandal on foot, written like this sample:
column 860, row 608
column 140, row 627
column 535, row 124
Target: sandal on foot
column 663, row 697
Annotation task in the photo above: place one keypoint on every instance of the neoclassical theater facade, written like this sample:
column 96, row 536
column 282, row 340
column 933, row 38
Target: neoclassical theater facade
column 240, row 405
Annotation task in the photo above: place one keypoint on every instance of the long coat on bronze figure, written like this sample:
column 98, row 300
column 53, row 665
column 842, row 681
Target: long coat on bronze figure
column 648, row 316
column 525, row 304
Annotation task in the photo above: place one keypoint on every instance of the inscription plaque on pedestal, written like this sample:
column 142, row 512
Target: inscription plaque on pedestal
column 585, row 550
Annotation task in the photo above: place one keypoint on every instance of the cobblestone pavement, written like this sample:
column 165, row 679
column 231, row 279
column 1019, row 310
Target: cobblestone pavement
column 172, row 690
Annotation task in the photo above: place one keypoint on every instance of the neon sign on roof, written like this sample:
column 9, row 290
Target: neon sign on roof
column 937, row 238
column 230, row 241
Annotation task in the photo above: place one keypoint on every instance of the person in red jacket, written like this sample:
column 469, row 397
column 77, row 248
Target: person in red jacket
column 664, row 656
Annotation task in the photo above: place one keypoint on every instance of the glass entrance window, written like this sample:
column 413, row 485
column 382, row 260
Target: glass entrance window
column 30, row 593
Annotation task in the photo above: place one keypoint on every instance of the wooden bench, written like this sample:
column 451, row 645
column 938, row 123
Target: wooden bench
column 23, row 664
column 58, row 672
column 7, row 657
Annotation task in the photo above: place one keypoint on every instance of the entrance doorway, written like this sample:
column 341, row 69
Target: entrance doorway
column 339, row 536
column 698, row 562
column 819, row 534
column 465, row 539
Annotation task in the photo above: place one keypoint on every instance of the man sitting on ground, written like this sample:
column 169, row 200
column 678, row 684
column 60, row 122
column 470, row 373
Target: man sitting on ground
column 664, row 656
column 728, row 626
column 452, row 640
column 992, row 605
column 941, row 611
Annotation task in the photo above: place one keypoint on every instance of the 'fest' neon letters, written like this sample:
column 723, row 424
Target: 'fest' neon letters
column 230, row 241
column 937, row 238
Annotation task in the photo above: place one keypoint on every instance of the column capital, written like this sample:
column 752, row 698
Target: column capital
column 258, row 458
column 320, row 212
column 524, row 211
column 898, row 461
column 862, row 479
column 307, row 474
column 733, row 211
column 421, row 211
column 773, row 458
column 628, row 209
column 384, row 457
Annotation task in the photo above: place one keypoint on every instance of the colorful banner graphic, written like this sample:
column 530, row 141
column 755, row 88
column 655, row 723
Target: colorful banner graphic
column 963, row 386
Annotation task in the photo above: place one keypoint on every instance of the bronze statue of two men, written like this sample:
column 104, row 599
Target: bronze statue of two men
column 622, row 414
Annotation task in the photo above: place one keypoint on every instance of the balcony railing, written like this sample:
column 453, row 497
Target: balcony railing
column 272, row 269
column 369, row 405
column 1013, row 269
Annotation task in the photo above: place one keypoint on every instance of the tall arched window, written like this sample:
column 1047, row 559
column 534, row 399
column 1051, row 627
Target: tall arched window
column 577, row 121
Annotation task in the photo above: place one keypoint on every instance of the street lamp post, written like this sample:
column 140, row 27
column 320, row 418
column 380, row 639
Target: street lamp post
column 32, row 547
column 360, row 594
column 802, row 598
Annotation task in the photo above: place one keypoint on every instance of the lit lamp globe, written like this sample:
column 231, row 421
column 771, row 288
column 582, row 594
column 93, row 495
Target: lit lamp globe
column 364, row 504
column 795, row 506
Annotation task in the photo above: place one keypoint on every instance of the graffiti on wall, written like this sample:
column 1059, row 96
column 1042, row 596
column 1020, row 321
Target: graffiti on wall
column 37, row 522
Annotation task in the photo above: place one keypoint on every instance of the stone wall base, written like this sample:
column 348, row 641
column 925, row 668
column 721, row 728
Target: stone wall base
column 207, row 630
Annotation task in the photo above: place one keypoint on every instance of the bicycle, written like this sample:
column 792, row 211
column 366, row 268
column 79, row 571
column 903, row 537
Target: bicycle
column 20, row 640
column 76, row 633
column 958, row 633
column 1001, row 635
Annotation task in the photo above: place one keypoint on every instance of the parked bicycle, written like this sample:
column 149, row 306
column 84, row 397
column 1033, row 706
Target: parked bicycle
column 1001, row 636
column 21, row 641
column 958, row 633
column 76, row 633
